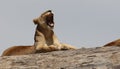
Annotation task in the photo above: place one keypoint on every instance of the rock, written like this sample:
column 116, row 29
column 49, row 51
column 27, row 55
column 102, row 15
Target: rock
column 84, row 58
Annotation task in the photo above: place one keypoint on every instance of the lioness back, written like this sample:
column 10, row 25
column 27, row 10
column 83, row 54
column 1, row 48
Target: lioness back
column 18, row 50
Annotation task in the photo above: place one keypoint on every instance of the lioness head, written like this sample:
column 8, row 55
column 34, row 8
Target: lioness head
column 45, row 19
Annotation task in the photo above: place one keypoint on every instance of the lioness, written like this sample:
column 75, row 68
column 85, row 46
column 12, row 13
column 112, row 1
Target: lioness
column 45, row 37
column 40, row 38
column 113, row 43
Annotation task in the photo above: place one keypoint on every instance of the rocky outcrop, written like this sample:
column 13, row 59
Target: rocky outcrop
column 84, row 58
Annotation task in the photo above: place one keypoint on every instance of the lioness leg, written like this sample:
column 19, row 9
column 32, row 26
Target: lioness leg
column 39, row 40
column 56, row 42
column 43, row 49
column 67, row 47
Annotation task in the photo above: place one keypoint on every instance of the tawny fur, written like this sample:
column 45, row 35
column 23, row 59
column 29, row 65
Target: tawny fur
column 39, row 36
column 19, row 50
column 45, row 36
column 44, row 39
column 113, row 43
column 24, row 50
column 44, row 32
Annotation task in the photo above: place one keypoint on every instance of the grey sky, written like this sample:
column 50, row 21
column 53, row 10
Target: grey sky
column 82, row 23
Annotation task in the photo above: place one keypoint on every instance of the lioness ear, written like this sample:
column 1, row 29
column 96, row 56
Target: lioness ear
column 35, row 21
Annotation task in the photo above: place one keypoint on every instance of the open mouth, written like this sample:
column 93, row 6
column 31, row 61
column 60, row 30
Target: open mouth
column 49, row 20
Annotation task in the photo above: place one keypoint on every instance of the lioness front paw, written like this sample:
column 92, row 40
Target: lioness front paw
column 54, row 47
column 67, row 47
